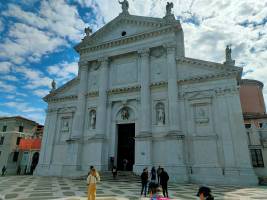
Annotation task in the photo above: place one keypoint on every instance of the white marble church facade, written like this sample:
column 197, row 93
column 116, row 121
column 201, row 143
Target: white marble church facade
column 183, row 114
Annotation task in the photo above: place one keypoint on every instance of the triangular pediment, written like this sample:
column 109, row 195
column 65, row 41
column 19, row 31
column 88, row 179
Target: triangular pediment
column 69, row 89
column 193, row 68
column 124, row 26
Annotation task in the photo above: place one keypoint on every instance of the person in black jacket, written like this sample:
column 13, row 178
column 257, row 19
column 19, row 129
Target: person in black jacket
column 144, row 181
column 164, row 178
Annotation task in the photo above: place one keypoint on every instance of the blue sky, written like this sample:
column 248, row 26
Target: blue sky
column 37, row 39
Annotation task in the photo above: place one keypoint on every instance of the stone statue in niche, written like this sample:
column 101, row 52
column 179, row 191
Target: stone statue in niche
column 125, row 114
column 201, row 115
column 160, row 114
column 92, row 119
column 65, row 125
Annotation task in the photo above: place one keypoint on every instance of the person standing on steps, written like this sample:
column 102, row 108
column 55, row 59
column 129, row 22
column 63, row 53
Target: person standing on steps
column 158, row 173
column 125, row 163
column 153, row 175
column 164, row 178
column 92, row 180
column 114, row 172
column 144, row 181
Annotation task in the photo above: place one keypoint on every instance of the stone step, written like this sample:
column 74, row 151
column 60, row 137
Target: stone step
column 125, row 176
column 263, row 181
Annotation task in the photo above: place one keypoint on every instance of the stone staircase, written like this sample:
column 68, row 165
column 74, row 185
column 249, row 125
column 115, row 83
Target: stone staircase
column 124, row 176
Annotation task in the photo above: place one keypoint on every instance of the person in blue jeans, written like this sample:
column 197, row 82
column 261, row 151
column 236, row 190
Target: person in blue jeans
column 144, row 181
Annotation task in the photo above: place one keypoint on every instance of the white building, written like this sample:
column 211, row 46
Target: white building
column 137, row 97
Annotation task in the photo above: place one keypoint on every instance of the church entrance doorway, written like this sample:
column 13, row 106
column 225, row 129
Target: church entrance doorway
column 125, row 151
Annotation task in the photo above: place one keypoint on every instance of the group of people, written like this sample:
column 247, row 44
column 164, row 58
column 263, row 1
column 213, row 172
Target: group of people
column 153, row 184
column 157, row 184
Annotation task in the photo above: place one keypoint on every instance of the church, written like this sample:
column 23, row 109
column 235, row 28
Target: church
column 138, row 100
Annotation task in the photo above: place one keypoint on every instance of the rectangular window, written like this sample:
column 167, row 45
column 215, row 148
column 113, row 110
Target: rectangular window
column 2, row 140
column 20, row 128
column 15, row 156
column 256, row 156
column 18, row 140
column 4, row 128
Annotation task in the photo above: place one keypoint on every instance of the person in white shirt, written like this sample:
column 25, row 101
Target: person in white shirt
column 92, row 179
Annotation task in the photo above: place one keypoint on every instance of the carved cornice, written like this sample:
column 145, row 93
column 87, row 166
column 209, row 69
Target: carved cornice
column 158, row 84
column 194, row 79
column 208, row 94
column 227, row 90
column 61, row 99
column 92, row 94
column 135, row 88
column 208, row 64
column 126, row 40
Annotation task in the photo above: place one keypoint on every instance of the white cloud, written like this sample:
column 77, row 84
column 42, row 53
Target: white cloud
column 4, row 87
column 10, row 78
column 10, row 96
column 57, row 17
column 63, row 71
column 41, row 92
column 22, row 107
column 28, row 43
column 5, row 67
column 1, row 26
column 34, row 78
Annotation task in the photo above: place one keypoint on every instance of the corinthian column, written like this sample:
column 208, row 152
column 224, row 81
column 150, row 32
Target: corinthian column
column 145, row 92
column 78, row 122
column 101, row 120
column 172, row 89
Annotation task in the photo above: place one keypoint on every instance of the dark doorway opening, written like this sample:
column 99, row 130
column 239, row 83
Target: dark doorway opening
column 125, row 151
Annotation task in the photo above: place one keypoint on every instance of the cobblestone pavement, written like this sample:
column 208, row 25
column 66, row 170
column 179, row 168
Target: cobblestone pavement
column 40, row 188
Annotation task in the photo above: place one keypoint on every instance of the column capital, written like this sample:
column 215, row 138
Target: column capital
column 83, row 65
column 170, row 47
column 144, row 52
column 103, row 60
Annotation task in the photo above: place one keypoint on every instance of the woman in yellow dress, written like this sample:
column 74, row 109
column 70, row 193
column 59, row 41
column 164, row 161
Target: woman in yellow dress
column 92, row 179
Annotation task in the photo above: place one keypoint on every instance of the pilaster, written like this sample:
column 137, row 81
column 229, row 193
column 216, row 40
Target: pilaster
column 172, row 89
column 145, row 114
column 78, row 121
column 101, row 115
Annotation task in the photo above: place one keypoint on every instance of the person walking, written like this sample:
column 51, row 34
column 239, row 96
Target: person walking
column 204, row 193
column 158, row 173
column 114, row 172
column 4, row 170
column 92, row 179
column 164, row 178
column 144, row 181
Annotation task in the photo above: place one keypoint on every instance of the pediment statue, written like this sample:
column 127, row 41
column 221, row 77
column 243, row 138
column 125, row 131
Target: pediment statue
column 124, row 6
column 169, row 7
